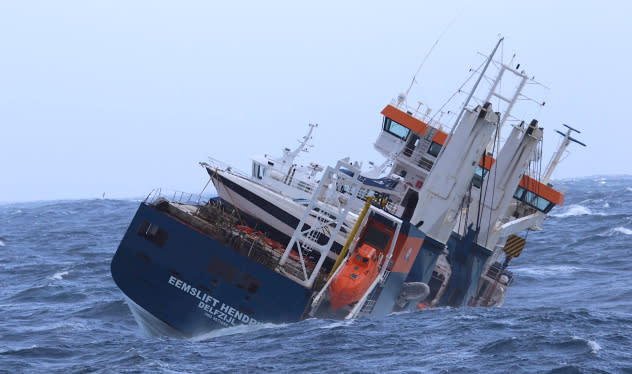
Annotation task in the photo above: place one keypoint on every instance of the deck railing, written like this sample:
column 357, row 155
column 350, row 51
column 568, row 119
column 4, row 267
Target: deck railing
column 176, row 196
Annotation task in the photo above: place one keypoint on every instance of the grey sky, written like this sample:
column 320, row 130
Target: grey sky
column 121, row 97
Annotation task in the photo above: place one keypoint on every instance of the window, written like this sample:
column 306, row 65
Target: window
column 343, row 188
column 519, row 193
column 395, row 128
column 533, row 200
column 537, row 202
column 153, row 233
column 434, row 149
column 479, row 175
column 258, row 170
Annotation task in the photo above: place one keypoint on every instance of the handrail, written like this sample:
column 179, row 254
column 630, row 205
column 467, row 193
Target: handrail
column 175, row 196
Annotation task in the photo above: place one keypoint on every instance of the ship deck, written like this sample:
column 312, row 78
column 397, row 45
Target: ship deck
column 221, row 224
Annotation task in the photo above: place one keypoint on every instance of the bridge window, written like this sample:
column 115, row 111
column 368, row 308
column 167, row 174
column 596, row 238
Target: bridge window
column 534, row 200
column 434, row 149
column 479, row 175
column 538, row 202
column 395, row 128
column 519, row 193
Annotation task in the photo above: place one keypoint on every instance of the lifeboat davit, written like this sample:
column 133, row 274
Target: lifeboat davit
column 354, row 278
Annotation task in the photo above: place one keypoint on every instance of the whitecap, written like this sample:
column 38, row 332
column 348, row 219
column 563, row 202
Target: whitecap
column 547, row 270
column 593, row 345
column 606, row 205
column 622, row 230
column 629, row 189
column 335, row 324
column 574, row 210
column 59, row 276
column 1, row 243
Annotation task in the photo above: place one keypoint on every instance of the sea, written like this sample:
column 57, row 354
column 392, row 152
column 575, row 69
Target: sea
column 568, row 311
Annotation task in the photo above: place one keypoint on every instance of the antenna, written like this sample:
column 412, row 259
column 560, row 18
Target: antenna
column 467, row 101
column 428, row 54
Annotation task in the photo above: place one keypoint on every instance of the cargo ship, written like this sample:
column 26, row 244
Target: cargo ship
column 436, row 224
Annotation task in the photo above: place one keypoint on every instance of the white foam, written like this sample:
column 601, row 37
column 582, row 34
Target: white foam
column 1, row 243
column 548, row 270
column 622, row 230
column 606, row 205
column 234, row 330
column 574, row 210
column 60, row 275
column 594, row 346
column 335, row 324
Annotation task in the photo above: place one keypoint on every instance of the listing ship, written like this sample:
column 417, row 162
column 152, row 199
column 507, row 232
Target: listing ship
column 435, row 225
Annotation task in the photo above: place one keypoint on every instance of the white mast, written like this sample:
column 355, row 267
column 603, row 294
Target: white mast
column 560, row 151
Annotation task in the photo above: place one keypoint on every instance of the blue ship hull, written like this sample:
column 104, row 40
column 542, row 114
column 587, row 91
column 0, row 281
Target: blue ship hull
column 175, row 274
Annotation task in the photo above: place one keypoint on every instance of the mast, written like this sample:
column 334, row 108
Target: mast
column 555, row 160
column 302, row 146
column 467, row 101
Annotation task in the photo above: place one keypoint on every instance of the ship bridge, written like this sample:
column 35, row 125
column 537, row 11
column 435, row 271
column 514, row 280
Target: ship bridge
column 414, row 145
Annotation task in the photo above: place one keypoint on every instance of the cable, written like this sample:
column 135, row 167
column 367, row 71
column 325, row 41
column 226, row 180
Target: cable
column 428, row 54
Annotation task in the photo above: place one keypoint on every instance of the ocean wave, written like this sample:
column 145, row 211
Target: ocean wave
column 547, row 270
column 335, row 324
column 36, row 351
column 241, row 329
column 1, row 243
column 57, row 326
column 618, row 230
column 629, row 189
column 593, row 345
column 59, row 275
column 574, row 210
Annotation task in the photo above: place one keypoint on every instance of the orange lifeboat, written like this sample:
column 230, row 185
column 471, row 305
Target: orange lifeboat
column 354, row 278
